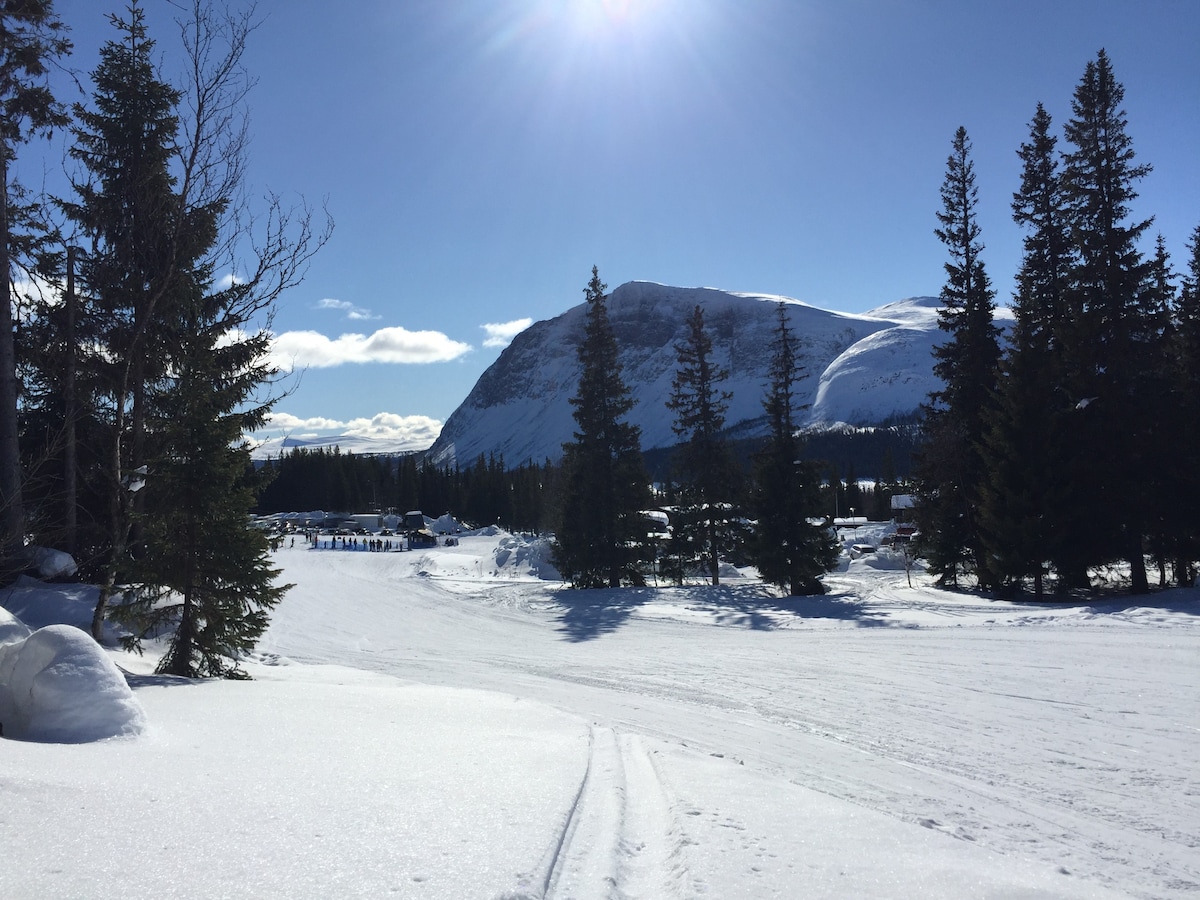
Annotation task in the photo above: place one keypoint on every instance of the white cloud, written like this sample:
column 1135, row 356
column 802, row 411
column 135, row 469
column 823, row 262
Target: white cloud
column 500, row 334
column 228, row 280
column 421, row 430
column 311, row 349
column 281, row 421
column 402, row 432
column 356, row 313
column 33, row 289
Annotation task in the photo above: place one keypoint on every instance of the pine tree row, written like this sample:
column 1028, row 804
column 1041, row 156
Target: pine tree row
column 308, row 479
column 603, row 538
column 1070, row 449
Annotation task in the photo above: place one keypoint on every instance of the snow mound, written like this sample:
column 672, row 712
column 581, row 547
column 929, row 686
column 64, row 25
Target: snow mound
column 51, row 564
column 444, row 524
column 727, row 570
column 526, row 556
column 58, row 686
column 12, row 629
column 888, row 560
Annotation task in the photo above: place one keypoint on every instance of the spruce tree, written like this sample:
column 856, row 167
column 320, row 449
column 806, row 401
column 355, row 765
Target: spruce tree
column 130, row 213
column 31, row 39
column 158, row 202
column 1182, row 470
column 1162, row 519
column 1118, row 327
column 209, row 583
column 950, row 471
column 706, row 519
column 63, row 437
column 789, row 548
column 601, row 540
column 1021, row 508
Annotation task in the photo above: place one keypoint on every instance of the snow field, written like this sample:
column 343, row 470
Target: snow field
column 446, row 724
column 312, row 782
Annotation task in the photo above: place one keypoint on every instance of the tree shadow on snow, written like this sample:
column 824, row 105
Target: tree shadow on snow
column 1102, row 598
column 155, row 680
column 587, row 614
column 756, row 607
column 1185, row 601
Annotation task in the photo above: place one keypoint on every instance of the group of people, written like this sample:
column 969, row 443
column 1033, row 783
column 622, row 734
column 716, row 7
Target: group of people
column 351, row 542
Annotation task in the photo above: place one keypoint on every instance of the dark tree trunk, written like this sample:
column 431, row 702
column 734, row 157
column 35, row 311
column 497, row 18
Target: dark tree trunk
column 12, row 509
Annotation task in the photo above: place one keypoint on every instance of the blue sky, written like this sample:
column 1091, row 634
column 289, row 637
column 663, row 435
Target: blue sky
column 479, row 156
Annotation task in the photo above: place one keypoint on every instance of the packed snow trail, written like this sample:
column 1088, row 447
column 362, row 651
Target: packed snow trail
column 621, row 838
column 1064, row 735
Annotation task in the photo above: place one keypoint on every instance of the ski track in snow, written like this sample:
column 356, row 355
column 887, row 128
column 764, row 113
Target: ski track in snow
column 621, row 838
column 952, row 715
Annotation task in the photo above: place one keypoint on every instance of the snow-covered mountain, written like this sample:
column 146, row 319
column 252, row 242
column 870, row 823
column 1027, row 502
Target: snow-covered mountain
column 360, row 445
column 862, row 369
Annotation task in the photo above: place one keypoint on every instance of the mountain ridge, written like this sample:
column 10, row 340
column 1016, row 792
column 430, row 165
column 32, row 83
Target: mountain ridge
column 863, row 368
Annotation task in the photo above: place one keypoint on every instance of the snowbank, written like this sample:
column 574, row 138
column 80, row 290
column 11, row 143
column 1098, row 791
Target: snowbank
column 11, row 628
column 887, row 560
column 50, row 564
column 526, row 556
column 444, row 524
column 58, row 685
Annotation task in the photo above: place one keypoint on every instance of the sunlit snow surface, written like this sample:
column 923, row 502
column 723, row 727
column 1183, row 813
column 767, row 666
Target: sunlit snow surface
column 448, row 724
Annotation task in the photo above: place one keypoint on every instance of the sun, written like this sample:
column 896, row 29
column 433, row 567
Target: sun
column 598, row 16
column 624, row 10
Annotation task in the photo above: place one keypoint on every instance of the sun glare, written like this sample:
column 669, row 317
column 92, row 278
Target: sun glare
column 597, row 16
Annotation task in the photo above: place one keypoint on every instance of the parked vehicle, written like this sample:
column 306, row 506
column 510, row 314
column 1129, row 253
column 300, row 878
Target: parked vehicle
column 413, row 527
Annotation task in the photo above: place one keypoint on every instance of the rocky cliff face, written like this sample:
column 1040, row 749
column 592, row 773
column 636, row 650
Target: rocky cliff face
column 862, row 369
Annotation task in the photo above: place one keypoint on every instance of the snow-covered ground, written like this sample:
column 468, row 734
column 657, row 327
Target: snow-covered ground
column 448, row 724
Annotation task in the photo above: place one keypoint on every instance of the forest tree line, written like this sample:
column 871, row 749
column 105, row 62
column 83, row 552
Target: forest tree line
column 1071, row 449
column 871, row 466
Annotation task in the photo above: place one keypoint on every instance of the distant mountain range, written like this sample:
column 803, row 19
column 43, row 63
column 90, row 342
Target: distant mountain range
column 346, row 443
column 863, row 369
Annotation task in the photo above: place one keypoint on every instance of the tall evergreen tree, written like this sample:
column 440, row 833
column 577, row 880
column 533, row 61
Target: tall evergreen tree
column 600, row 540
column 158, row 204
column 129, row 210
column 1162, row 520
column 950, row 468
column 1182, row 471
column 706, row 518
column 1119, row 323
column 31, row 38
column 789, row 548
column 62, row 440
column 1021, row 514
